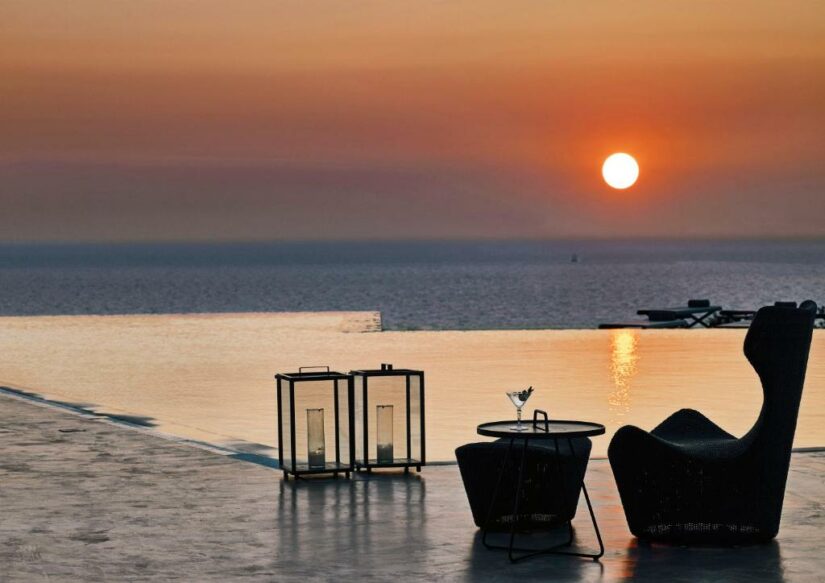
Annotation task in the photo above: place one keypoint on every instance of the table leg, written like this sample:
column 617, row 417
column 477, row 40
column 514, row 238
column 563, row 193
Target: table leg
column 560, row 473
column 555, row 549
column 519, row 484
column 598, row 555
column 495, row 496
column 509, row 548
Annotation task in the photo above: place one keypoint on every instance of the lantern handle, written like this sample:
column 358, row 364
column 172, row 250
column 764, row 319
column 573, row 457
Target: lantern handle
column 302, row 368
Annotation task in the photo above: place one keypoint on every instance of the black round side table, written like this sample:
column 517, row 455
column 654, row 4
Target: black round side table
column 539, row 429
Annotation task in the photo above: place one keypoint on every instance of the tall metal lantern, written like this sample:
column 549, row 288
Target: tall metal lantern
column 389, row 415
column 315, row 420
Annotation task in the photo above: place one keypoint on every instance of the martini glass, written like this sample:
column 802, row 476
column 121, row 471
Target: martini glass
column 519, row 398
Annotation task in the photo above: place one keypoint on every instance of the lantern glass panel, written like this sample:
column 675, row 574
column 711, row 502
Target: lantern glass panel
column 286, row 426
column 385, row 438
column 388, row 391
column 342, row 390
column 316, row 443
column 313, row 395
column 360, row 383
column 416, row 447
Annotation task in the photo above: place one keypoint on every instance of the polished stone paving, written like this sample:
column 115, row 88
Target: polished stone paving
column 84, row 499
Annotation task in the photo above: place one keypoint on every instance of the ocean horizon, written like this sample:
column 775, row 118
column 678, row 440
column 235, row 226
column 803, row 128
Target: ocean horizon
column 426, row 285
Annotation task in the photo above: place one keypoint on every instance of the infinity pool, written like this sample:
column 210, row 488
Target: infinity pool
column 210, row 377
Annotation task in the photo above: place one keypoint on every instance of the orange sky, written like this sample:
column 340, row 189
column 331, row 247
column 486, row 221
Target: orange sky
column 179, row 119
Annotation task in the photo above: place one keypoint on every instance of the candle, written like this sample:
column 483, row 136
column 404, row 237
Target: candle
column 383, row 430
column 316, row 444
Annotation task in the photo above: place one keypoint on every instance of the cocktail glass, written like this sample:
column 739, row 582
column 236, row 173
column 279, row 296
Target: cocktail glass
column 519, row 398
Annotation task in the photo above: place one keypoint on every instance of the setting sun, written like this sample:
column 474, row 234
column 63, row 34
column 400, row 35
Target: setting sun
column 620, row 170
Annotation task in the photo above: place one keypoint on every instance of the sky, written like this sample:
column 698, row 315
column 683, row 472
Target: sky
column 213, row 120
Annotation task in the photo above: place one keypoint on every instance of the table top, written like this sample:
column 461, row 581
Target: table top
column 555, row 428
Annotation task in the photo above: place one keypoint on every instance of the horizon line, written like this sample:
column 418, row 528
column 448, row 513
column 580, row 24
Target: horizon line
column 436, row 240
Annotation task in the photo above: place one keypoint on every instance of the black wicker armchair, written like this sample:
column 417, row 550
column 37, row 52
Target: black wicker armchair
column 689, row 481
column 547, row 475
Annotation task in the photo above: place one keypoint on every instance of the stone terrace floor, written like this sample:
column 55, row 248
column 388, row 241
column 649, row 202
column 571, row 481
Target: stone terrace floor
column 86, row 499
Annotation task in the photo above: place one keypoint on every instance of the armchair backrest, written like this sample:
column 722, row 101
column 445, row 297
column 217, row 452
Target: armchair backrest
column 777, row 346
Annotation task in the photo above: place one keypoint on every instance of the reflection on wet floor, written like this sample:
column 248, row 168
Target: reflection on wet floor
column 389, row 525
column 646, row 562
column 85, row 500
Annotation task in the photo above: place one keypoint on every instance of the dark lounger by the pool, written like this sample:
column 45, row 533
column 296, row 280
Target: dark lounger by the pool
column 743, row 318
column 695, row 313
column 645, row 324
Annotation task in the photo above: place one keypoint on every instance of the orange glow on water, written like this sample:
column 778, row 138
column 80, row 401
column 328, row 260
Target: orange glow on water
column 623, row 367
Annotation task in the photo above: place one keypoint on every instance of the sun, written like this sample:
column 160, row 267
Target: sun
column 620, row 170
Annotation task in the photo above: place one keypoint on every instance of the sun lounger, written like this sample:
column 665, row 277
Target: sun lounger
column 742, row 318
column 738, row 314
column 644, row 324
column 655, row 319
column 734, row 324
column 696, row 313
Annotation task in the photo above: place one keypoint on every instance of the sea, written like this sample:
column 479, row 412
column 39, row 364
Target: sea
column 185, row 339
column 433, row 285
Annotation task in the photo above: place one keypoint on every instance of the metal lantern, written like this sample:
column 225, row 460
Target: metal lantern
column 389, row 415
column 315, row 419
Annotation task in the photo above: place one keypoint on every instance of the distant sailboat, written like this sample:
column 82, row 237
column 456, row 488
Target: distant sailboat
column 574, row 258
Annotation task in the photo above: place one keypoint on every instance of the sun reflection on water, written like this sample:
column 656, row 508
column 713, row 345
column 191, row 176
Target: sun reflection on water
column 624, row 356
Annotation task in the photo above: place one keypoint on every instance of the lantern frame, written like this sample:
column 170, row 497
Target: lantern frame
column 363, row 460
column 287, row 382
